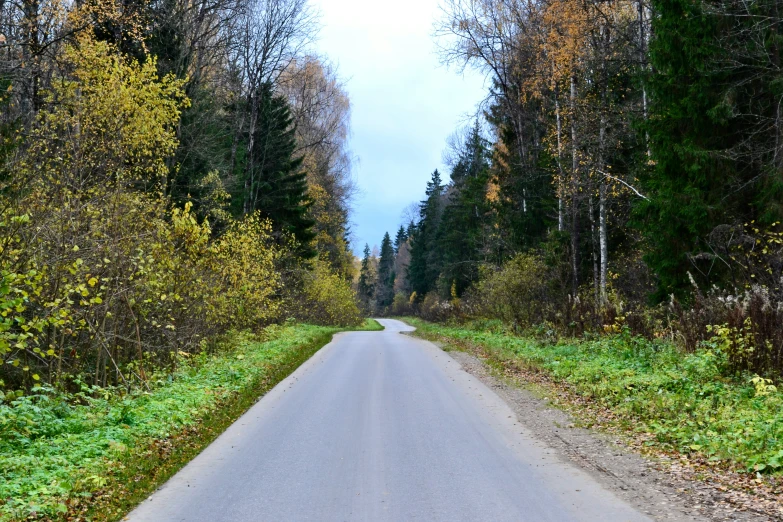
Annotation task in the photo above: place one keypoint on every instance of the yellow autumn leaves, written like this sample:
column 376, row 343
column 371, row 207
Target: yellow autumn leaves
column 100, row 277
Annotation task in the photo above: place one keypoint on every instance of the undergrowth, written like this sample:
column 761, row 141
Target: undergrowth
column 688, row 402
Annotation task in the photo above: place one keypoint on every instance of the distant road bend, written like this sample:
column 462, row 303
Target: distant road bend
column 380, row 426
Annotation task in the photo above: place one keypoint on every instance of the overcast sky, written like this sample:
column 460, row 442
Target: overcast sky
column 404, row 103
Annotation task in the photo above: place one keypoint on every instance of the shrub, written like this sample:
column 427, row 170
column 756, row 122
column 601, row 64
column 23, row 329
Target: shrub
column 516, row 294
column 100, row 279
column 401, row 305
column 242, row 265
column 327, row 298
column 433, row 308
column 747, row 328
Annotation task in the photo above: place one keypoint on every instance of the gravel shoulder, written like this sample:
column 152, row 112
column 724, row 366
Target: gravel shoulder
column 653, row 487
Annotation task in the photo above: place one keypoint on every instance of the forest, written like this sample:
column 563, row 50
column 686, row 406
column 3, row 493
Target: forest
column 612, row 217
column 175, row 190
column 624, row 172
column 172, row 174
column 171, row 171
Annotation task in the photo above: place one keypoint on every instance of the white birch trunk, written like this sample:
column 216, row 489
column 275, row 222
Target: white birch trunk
column 559, row 162
column 604, row 245
column 574, row 191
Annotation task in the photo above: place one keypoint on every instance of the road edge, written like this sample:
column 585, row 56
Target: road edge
column 681, row 492
column 144, row 469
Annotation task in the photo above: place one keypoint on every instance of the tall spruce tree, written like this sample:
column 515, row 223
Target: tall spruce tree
column 524, row 202
column 461, row 238
column 366, row 285
column 400, row 238
column 424, row 267
column 273, row 181
column 704, row 109
column 384, row 293
column 410, row 229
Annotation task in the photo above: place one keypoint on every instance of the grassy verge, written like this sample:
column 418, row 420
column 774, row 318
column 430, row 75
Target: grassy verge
column 371, row 325
column 96, row 454
column 670, row 400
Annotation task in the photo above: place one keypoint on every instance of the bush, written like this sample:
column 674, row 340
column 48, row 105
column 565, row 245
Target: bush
column 747, row 328
column 327, row 298
column 402, row 305
column 241, row 266
column 100, row 279
column 516, row 294
column 433, row 308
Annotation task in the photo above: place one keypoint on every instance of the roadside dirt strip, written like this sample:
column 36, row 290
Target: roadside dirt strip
column 628, row 475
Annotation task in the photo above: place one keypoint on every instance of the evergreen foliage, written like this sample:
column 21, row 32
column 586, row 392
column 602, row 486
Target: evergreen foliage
column 399, row 239
column 687, row 183
column 366, row 284
column 272, row 179
column 711, row 164
column 462, row 234
column 425, row 263
column 384, row 291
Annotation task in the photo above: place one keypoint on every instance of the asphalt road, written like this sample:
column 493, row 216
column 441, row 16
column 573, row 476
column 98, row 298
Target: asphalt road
column 380, row 426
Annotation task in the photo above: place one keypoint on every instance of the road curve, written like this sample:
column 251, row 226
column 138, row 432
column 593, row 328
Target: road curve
column 380, row 426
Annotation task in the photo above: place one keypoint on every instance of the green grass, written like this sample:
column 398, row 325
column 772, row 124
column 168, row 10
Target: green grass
column 676, row 401
column 98, row 453
column 370, row 325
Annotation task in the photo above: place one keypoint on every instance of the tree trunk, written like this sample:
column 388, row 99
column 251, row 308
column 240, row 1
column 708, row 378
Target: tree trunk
column 30, row 54
column 593, row 249
column 602, row 232
column 643, row 39
column 559, row 161
column 249, row 167
column 604, row 244
column 574, row 191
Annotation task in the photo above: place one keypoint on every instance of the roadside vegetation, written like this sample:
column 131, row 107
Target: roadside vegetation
column 612, row 217
column 99, row 450
column 175, row 187
column 673, row 401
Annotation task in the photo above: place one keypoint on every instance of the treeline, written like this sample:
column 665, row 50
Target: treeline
column 626, row 174
column 169, row 171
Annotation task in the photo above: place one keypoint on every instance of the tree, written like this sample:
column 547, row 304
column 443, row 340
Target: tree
column 384, row 291
column 274, row 181
column 320, row 109
column 401, row 262
column 462, row 233
column 367, row 278
column 399, row 239
column 690, row 118
column 424, row 267
column 115, row 189
column 564, row 99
